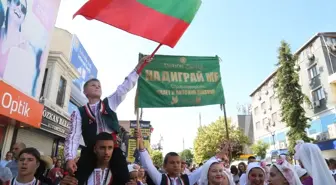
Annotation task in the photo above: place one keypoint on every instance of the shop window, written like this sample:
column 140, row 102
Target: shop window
column 61, row 92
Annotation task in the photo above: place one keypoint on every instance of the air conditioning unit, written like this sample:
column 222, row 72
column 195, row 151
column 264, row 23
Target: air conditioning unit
column 266, row 127
column 332, row 130
column 325, row 136
column 311, row 56
column 322, row 136
column 332, row 47
column 317, row 103
column 282, row 145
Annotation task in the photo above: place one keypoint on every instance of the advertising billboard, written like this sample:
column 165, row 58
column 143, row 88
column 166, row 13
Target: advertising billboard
column 26, row 28
column 81, row 60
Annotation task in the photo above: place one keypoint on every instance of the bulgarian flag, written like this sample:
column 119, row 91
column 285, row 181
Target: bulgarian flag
column 162, row 21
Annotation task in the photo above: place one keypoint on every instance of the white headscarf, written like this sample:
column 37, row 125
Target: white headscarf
column 300, row 171
column 287, row 170
column 204, row 176
column 250, row 167
column 311, row 157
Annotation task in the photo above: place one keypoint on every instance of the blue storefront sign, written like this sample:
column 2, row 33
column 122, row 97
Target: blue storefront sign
column 82, row 62
column 327, row 145
column 71, row 107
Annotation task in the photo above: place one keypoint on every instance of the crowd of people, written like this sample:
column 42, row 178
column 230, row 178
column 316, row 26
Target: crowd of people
column 102, row 162
column 26, row 166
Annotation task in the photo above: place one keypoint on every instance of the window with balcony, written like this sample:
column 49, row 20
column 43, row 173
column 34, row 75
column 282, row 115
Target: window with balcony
column 265, row 121
column 258, row 126
column 318, row 94
column 61, row 92
column 256, row 111
column 274, row 118
column 312, row 71
column 263, row 107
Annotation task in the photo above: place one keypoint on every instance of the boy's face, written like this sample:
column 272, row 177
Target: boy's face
column 103, row 150
column 93, row 90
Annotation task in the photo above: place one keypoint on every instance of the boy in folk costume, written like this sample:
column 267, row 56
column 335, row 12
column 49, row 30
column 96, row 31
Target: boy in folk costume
column 95, row 117
column 172, row 165
column 101, row 171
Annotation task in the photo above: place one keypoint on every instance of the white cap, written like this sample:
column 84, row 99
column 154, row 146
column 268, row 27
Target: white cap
column 132, row 168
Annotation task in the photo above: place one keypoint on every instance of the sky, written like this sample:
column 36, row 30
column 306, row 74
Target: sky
column 244, row 34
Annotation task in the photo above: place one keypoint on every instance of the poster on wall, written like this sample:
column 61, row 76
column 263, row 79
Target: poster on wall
column 25, row 34
column 81, row 60
column 146, row 133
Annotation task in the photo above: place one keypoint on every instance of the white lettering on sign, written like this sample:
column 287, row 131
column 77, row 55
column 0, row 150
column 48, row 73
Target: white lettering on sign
column 14, row 106
column 55, row 118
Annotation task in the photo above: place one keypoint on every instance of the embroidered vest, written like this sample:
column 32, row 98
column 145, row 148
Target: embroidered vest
column 12, row 182
column 165, row 180
column 89, row 124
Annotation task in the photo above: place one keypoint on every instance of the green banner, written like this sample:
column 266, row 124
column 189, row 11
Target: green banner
column 180, row 81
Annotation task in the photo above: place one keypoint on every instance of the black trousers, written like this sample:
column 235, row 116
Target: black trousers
column 87, row 163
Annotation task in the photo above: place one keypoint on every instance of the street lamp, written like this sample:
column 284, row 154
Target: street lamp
column 268, row 128
column 273, row 134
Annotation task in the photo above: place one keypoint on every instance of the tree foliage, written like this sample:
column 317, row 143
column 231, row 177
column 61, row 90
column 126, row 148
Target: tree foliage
column 157, row 157
column 260, row 149
column 187, row 156
column 290, row 96
column 210, row 138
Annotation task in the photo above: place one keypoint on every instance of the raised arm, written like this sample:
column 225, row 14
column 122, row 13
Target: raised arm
column 119, row 95
column 73, row 138
column 146, row 160
column 147, row 163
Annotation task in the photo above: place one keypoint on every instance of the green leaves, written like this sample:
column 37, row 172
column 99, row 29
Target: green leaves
column 209, row 139
column 290, row 96
column 187, row 156
column 157, row 157
column 260, row 149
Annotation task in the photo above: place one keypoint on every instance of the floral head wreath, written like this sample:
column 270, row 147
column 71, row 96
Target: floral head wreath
column 286, row 169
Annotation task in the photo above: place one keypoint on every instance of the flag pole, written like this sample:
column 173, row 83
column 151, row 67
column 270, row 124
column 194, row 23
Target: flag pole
column 151, row 56
column 138, row 126
column 139, row 71
column 227, row 132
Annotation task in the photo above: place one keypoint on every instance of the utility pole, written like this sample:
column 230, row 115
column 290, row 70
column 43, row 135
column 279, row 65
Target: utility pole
column 183, row 143
column 200, row 120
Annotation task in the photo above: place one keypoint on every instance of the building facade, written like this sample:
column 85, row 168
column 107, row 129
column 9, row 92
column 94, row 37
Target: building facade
column 244, row 122
column 266, row 114
column 55, row 95
column 317, row 64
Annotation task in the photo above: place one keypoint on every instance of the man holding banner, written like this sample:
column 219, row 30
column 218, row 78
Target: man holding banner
column 96, row 117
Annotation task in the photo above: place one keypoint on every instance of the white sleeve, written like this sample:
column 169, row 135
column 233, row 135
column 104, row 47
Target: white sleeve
column 147, row 163
column 243, row 179
column 72, row 140
column 119, row 95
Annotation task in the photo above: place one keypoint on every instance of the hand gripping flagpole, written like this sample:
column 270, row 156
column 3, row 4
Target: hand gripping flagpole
column 139, row 71
column 151, row 56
